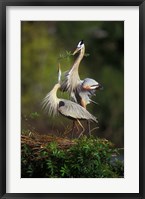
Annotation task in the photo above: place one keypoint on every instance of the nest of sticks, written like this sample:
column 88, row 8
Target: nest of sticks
column 38, row 141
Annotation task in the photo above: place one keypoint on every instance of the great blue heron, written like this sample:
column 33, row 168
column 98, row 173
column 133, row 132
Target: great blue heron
column 54, row 105
column 80, row 90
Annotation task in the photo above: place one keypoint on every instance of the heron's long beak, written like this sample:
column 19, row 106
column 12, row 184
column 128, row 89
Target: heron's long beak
column 97, row 87
column 76, row 50
column 100, row 87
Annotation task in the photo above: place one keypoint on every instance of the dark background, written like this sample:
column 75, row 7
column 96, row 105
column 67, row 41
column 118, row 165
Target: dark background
column 44, row 43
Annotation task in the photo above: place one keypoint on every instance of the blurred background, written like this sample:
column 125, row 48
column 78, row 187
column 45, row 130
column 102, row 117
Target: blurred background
column 45, row 44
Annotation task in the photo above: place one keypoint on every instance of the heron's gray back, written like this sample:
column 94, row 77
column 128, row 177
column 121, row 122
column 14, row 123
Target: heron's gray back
column 74, row 110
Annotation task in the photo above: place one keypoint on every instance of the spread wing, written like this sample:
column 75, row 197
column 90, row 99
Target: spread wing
column 75, row 111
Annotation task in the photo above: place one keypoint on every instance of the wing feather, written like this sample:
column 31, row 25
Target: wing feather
column 71, row 81
column 73, row 110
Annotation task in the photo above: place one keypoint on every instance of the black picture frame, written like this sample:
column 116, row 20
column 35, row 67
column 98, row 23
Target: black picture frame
column 3, row 127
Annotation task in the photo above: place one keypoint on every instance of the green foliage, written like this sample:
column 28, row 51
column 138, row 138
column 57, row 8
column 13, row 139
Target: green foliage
column 87, row 158
column 34, row 115
column 67, row 54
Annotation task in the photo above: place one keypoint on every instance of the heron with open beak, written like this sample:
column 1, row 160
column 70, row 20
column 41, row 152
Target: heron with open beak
column 80, row 91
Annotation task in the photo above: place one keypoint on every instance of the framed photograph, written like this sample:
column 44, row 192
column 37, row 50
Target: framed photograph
column 72, row 99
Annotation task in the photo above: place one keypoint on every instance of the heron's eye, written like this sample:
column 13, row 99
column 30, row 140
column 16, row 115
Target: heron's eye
column 81, row 42
column 61, row 103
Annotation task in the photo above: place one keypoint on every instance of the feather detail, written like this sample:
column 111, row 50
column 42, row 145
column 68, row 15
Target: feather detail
column 50, row 102
column 75, row 111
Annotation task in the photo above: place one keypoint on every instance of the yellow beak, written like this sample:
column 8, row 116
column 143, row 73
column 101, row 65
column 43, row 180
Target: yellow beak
column 76, row 50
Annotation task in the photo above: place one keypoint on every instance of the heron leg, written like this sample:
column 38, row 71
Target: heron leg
column 83, row 129
column 67, row 131
column 77, row 127
column 73, row 127
column 94, row 129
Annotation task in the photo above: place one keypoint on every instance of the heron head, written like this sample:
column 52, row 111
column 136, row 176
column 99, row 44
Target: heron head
column 91, row 84
column 79, row 47
column 97, row 86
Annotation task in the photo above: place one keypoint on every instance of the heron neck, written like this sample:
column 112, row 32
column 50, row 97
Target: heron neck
column 79, row 58
column 54, row 90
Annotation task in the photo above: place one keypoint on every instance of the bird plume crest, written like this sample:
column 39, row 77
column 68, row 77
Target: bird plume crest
column 59, row 73
column 50, row 102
